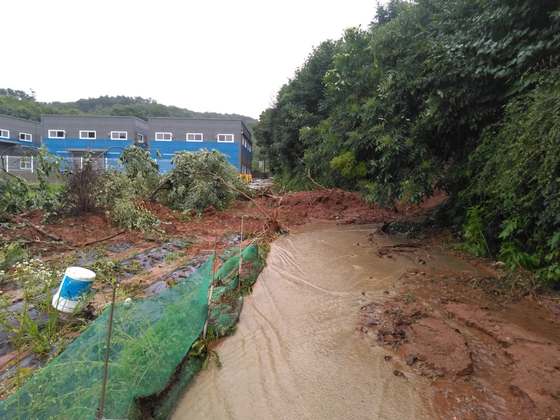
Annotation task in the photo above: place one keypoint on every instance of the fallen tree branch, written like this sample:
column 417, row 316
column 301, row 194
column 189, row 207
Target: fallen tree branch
column 22, row 241
column 37, row 228
column 235, row 189
column 101, row 154
column 264, row 191
column 102, row 239
column 154, row 192
column 312, row 180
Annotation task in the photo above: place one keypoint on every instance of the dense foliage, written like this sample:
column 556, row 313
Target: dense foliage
column 196, row 181
column 515, row 173
column 18, row 195
column 415, row 103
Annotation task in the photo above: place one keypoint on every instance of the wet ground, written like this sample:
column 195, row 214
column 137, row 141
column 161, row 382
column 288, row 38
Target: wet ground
column 297, row 353
column 377, row 319
column 347, row 322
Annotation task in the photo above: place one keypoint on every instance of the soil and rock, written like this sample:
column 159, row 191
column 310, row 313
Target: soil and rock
column 487, row 357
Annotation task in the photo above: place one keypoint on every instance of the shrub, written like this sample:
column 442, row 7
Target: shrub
column 516, row 178
column 140, row 169
column 81, row 184
column 127, row 214
column 112, row 187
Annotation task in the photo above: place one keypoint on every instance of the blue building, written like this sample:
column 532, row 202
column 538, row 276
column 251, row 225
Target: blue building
column 170, row 136
column 16, row 134
column 72, row 136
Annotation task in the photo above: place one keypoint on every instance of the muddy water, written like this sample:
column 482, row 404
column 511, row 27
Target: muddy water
column 296, row 353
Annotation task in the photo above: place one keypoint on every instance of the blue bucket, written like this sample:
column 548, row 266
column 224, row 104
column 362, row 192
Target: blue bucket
column 75, row 284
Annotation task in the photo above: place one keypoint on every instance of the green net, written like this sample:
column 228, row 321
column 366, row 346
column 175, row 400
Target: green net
column 149, row 343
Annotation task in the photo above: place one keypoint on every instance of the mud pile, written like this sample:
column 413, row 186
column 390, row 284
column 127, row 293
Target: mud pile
column 486, row 356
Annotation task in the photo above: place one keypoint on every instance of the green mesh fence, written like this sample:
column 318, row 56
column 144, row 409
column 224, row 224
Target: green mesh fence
column 150, row 339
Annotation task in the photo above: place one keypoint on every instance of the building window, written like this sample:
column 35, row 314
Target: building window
column 119, row 135
column 5, row 133
column 25, row 137
column 225, row 138
column 164, row 136
column 194, row 136
column 25, row 163
column 246, row 143
column 87, row 134
column 57, row 134
column 140, row 137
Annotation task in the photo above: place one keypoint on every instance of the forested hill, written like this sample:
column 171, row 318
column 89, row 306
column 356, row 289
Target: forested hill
column 17, row 103
column 454, row 95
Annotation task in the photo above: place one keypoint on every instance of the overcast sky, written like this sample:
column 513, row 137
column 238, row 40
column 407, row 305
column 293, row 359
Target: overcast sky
column 220, row 56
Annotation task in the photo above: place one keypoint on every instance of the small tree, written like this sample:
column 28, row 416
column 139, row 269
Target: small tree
column 81, row 184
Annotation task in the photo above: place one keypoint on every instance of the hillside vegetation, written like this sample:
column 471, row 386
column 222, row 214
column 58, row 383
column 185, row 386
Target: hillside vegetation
column 452, row 95
column 17, row 103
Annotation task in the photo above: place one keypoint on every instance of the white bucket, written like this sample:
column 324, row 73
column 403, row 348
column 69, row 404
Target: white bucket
column 75, row 284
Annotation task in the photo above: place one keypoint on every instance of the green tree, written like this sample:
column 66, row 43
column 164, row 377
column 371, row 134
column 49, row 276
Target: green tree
column 299, row 104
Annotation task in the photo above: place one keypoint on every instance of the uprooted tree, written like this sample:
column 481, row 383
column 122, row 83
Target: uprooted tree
column 197, row 181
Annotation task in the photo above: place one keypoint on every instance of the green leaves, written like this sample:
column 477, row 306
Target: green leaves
column 11, row 254
column 299, row 106
column 18, row 195
column 138, row 163
column 130, row 215
column 347, row 165
column 417, row 103
column 196, row 181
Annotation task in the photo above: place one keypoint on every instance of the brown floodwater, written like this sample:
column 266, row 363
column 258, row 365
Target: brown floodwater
column 296, row 353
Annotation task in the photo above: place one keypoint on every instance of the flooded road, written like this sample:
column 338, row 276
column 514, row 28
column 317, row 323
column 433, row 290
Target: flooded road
column 296, row 353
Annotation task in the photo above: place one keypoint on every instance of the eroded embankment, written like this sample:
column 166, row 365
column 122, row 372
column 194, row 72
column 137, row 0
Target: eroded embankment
column 484, row 359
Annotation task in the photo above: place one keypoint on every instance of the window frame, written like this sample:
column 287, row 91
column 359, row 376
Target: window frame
column 225, row 141
column 140, row 138
column 195, row 134
column 56, row 136
column 88, row 138
column 24, row 160
column 21, row 133
column 2, row 131
column 163, row 133
column 113, row 133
